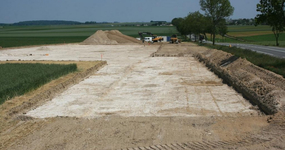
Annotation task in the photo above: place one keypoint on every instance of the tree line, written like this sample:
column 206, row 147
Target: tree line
column 216, row 12
column 47, row 22
column 213, row 22
column 63, row 22
column 242, row 21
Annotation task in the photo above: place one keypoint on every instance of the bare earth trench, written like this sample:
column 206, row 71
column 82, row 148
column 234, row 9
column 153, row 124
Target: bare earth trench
column 141, row 101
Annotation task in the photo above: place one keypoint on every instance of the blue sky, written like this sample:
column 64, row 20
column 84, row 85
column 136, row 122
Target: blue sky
column 12, row 11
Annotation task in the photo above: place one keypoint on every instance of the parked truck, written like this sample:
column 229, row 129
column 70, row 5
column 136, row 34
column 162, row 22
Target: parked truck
column 154, row 38
column 174, row 39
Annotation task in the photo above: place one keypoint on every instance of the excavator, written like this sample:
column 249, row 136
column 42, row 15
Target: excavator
column 174, row 39
column 155, row 38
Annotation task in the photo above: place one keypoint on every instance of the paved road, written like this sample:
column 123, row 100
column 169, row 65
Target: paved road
column 269, row 50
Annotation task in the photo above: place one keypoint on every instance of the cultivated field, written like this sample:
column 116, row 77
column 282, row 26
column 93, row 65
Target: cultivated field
column 19, row 78
column 261, row 35
column 12, row 36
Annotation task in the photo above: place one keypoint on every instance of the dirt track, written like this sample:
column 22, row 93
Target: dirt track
column 170, row 101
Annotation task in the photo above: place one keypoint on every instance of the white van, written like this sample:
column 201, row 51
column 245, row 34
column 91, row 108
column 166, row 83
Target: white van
column 148, row 39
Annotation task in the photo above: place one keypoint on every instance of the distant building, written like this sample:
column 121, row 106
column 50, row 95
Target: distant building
column 158, row 23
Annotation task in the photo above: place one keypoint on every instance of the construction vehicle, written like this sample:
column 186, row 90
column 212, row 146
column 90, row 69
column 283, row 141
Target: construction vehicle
column 154, row 38
column 174, row 39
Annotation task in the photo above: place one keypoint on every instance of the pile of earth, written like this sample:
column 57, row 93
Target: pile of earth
column 262, row 87
column 112, row 37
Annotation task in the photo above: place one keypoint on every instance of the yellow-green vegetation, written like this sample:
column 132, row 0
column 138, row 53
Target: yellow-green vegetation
column 268, row 62
column 241, row 31
column 19, row 78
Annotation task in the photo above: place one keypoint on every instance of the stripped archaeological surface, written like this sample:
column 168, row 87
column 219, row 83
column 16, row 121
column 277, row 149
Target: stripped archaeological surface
column 138, row 102
column 134, row 84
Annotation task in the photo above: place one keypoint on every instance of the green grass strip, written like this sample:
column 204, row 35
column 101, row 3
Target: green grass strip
column 28, row 41
column 268, row 62
column 17, row 79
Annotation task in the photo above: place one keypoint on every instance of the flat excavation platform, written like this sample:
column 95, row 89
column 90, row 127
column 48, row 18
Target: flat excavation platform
column 135, row 84
column 146, row 97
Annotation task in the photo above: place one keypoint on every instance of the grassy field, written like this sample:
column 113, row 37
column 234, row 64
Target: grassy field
column 28, row 41
column 12, row 36
column 261, row 35
column 268, row 62
column 249, row 30
column 267, row 39
column 17, row 79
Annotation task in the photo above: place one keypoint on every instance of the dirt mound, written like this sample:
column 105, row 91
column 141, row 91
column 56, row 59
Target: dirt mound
column 100, row 37
column 260, row 86
column 112, row 37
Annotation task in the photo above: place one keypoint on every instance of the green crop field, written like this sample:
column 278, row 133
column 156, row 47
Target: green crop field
column 12, row 36
column 236, row 30
column 267, row 39
column 261, row 35
column 17, row 79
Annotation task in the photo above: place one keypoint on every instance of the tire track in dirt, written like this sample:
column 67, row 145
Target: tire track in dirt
column 203, row 145
column 23, row 129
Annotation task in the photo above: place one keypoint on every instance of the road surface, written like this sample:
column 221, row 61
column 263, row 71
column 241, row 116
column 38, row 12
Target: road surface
column 269, row 50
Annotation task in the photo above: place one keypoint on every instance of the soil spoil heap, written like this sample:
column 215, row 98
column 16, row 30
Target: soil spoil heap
column 113, row 37
column 262, row 87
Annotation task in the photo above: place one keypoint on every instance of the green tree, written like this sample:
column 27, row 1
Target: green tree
column 217, row 10
column 176, row 21
column 272, row 13
column 196, row 23
column 222, row 28
column 179, row 24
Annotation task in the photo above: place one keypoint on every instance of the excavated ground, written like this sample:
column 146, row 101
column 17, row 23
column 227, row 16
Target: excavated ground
column 147, row 97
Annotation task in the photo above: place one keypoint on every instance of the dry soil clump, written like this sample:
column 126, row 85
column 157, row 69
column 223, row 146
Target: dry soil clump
column 113, row 37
